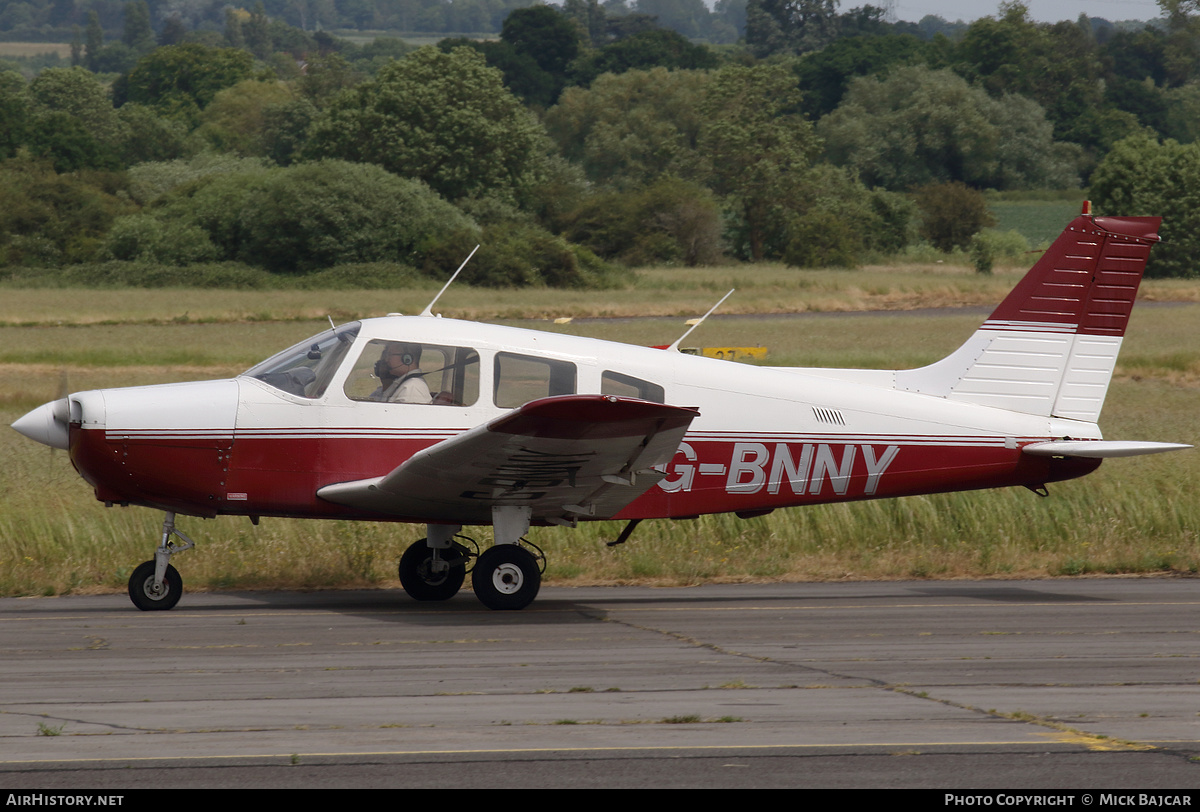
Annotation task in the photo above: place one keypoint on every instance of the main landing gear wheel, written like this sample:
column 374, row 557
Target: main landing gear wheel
column 506, row 577
column 146, row 597
column 422, row 581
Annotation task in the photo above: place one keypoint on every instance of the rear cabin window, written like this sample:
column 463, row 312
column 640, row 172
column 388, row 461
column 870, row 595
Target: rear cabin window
column 410, row 372
column 627, row 386
column 522, row 378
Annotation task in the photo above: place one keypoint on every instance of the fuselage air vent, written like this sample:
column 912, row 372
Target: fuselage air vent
column 830, row 416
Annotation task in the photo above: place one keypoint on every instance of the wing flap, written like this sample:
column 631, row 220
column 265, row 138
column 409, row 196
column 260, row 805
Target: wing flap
column 566, row 457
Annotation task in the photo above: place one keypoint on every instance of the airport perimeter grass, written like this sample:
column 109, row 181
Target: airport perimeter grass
column 680, row 292
column 1133, row 516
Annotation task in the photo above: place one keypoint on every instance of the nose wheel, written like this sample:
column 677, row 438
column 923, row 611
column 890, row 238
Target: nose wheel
column 148, row 595
column 155, row 584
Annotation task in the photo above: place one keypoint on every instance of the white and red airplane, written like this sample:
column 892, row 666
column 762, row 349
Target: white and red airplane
column 513, row 427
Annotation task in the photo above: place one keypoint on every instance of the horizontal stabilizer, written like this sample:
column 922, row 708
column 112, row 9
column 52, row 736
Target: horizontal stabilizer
column 1099, row 449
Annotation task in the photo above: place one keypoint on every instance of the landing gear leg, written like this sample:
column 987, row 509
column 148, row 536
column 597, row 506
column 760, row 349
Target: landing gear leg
column 156, row 584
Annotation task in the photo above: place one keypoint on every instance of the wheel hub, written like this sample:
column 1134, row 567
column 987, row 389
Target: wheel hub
column 508, row 579
column 430, row 576
column 155, row 592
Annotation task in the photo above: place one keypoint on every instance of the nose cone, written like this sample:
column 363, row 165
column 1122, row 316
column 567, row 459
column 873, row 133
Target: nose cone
column 47, row 424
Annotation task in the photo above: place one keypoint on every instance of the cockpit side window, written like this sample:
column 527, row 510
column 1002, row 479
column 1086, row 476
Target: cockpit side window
column 413, row 372
column 306, row 369
column 522, row 378
column 615, row 383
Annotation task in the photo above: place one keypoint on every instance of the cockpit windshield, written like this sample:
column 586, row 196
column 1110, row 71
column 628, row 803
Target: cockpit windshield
column 306, row 369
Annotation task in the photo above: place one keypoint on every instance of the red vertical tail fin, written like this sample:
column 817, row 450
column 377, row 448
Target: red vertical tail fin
column 1087, row 280
column 1051, row 346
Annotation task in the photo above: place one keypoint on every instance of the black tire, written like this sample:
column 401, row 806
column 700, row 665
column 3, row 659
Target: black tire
column 421, row 583
column 141, row 588
column 506, row 577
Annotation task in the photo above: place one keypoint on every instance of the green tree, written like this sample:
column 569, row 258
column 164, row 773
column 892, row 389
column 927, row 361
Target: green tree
column 93, row 40
column 1136, row 55
column 285, row 130
column 759, row 148
column 840, row 220
column 443, row 118
column 49, row 218
column 146, row 136
column 798, row 26
column 257, row 32
column 656, row 47
column 331, row 212
column 1182, row 113
column 826, row 74
column 179, row 81
column 669, row 222
column 821, row 239
column 1181, row 55
column 326, row 76
column 15, row 113
column 69, row 145
column 79, row 94
column 545, row 34
column 523, row 76
column 952, row 213
column 589, row 17
column 138, row 34
column 143, row 237
column 688, row 18
column 174, row 32
column 1142, row 176
column 628, row 130
column 72, row 121
column 151, row 182
column 233, row 35
column 920, row 126
column 298, row 219
column 235, row 120
column 730, row 20
column 1057, row 65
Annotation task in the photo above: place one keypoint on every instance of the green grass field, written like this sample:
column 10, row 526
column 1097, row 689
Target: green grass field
column 1039, row 221
column 28, row 49
column 1133, row 516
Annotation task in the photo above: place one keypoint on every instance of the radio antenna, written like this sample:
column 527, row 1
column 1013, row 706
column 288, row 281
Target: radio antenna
column 428, row 311
column 700, row 321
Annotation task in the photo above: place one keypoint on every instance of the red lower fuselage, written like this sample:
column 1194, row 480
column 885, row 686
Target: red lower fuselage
column 747, row 473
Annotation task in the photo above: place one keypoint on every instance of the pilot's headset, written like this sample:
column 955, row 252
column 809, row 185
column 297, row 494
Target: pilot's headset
column 408, row 357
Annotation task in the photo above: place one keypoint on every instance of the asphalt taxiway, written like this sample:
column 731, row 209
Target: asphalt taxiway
column 1070, row 683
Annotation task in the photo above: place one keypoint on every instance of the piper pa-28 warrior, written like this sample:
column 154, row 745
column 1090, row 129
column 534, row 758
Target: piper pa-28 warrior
column 449, row 423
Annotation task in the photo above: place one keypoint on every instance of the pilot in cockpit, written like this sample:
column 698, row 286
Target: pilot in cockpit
column 400, row 377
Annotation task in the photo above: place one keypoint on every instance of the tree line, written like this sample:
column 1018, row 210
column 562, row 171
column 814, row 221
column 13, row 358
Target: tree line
column 584, row 140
